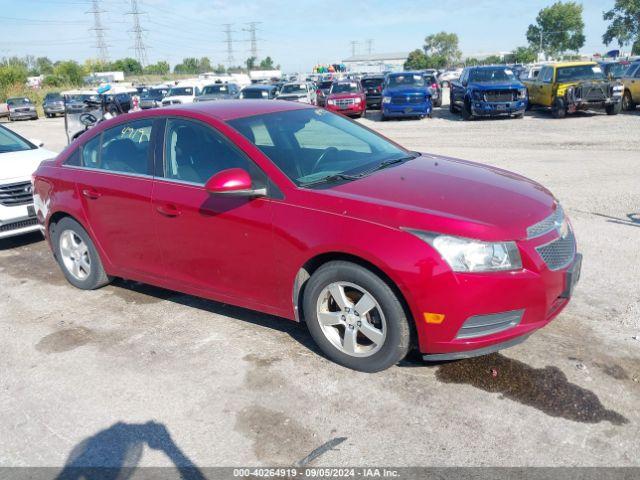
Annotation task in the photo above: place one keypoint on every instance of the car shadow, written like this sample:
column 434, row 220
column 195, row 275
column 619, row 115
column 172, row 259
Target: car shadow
column 20, row 240
column 296, row 330
column 115, row 453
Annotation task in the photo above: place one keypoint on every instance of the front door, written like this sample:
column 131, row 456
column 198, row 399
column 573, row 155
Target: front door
column 114, row 182
column 221, row 246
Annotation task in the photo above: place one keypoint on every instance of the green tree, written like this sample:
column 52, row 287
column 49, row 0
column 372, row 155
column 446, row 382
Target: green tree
column 251, row 63
column 624, row 24
column 523, row 55
column 417, row 60
column 558, row 28
column 44, row 65
column 70, row 71
column 128, row 65
column 189, row 65
column 12, row 74
column 204, row 65
column 220, row 68
column 160, row 68
column 442, row 49
column 267, row 64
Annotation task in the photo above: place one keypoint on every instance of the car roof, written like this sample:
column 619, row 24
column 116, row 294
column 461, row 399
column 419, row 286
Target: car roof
column 258, row 86
column 231, row 109
column 572, row 64
column 487, row 67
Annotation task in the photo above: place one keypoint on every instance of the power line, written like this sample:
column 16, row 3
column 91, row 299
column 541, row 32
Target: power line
column 100, row 45
column 229, row 42
column 354, row 44
column 138, row 44
column 369, row 43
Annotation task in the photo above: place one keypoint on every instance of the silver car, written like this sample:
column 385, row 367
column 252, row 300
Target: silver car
column 53, row 105
column 21, row 108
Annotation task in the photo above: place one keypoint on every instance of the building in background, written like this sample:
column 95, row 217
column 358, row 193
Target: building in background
column 376, row 62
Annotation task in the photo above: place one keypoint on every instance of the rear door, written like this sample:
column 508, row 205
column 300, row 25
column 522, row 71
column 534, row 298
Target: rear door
column 545, row 90
column 221, row 246
column 635, row 85
column 114, row 182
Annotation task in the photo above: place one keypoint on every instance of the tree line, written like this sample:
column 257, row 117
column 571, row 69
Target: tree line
column 558, row 29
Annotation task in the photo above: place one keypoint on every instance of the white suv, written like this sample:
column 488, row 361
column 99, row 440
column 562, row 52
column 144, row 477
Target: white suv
column 19, row 158
column 184, row 93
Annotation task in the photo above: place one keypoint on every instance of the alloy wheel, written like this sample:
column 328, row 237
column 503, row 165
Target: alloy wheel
column 351, row 319
column 75, row 255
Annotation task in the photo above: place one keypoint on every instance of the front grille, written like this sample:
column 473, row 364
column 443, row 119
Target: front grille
column 345, row 102
column 411, row 99
column 550, row 223
column 480, row 325
column 16, row 194
column 17, row 225
column 591, row 93
column 171, row 102
column 559, row 253
column 500, row 96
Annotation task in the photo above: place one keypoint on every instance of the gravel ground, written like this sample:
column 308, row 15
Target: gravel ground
column 156, row 377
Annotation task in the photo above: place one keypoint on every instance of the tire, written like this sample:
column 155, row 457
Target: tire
column 613, row 109
column 48, row 115
column 519, row 116
column 558, row 109
column 466, row 111
column 95, row 277
column 438, row 102
column 529, row 106
column 386, row 317
column 383, row 118
column 627, row 101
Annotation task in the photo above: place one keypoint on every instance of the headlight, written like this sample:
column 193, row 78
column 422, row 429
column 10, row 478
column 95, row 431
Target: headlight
column 522, row 93
column 357, row 100
column 468, row 255
column 331, row 102
column 386, row 99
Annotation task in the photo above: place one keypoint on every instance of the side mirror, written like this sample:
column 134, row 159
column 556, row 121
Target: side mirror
column 37, row 141
column 233, row 182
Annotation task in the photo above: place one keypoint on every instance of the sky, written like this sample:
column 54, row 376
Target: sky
column 297, row 34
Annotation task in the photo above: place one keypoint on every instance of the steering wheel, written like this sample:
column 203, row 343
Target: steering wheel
column 323, row 156
column 88, row 119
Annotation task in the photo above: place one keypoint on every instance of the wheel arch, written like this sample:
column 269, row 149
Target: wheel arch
column 315, row 262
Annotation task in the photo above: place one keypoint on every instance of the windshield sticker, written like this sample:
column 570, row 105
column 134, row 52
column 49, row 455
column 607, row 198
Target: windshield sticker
column 508, row 72
column 417, row 77
column 596, row 69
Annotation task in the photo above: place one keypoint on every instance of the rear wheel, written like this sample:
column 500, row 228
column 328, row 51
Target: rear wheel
column 613, row 109
column 77, row 256
column 452, row 106
column 355, row 317
column 627, row 101
column 558, row 109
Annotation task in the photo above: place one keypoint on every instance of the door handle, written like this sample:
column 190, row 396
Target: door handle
column 168, row 210
column 91, row 193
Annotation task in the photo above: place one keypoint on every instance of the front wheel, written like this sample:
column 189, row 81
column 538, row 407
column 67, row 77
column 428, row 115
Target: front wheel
column 466, row 111
column 558, row 109
column 77, row 256
column 613, row 109
column 355, row 317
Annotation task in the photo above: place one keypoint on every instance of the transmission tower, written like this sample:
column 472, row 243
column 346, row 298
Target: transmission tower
column 369, row 43
column 138, row 44
column 229, row 42
column 100, row 45
column 354, row 44
column 253, row 39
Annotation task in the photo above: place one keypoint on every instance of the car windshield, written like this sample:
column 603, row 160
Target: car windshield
column 294, row 88
column 616, row 70
column 180, row 91
column 325, row 85
column 53, row 97
column 309, row 145
column 415, row 80
column 155, row 93
column 579, row 72
column 488, row 75
column 255, row 93
column 18, row 101
column 10, row 142
column 372, row 82
column 215, row 89
column 345, row 87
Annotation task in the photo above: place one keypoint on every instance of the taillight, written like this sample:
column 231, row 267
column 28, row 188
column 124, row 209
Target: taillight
column 434, row 85
column 379, row 89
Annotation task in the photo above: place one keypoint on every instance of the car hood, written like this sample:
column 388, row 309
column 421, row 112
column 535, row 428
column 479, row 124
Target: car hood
column 406, row 90
column 179, row 97
column 447, row 195
column 216, row 96
column 495, row 85
column 293, row 95
column 336, row 96
column 18, row 166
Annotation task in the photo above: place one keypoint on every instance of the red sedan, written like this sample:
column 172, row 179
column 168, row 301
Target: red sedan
column 294, row 211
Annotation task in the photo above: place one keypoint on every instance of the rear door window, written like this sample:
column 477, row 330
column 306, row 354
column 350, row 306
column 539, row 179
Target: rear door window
column 125, row 148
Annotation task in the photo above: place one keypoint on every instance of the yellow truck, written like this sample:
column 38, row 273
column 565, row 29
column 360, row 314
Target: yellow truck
column 631, row 84
column 571, row 86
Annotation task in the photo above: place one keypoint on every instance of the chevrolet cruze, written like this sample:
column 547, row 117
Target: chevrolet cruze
column 298, row 212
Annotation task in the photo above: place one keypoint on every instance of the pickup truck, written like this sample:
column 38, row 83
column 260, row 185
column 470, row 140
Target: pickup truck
column 631, row 85
column 487, row 91
column 571, row 86
column 405, row 94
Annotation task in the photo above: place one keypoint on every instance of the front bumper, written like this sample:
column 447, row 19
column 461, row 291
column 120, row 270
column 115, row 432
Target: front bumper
column 406, row 110
column 353, row 109
column 17, row 220
column 481, row 108
column 53, row 109
column 23, row 115
column 374, row 101
column 494, row 308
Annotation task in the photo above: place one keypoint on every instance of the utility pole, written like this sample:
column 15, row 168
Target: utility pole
column 229, row 42
column 138, row 43
column 253, row 39
column 369, row 46
column 100, row 45
column 354, row 44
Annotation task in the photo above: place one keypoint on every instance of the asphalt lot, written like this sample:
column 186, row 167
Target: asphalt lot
column 134, row 374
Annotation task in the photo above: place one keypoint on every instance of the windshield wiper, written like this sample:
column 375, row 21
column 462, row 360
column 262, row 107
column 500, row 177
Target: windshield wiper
column 331, row 178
